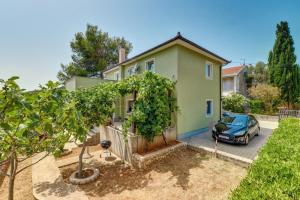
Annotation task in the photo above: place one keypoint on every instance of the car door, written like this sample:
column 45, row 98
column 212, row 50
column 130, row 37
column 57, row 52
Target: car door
column 253, row 126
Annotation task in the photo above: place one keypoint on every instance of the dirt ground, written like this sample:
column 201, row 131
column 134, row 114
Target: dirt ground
column 76, row 151
column 185, row 174
column 23, row 184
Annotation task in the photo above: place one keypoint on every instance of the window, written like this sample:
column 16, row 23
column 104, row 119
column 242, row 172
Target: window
column 117, row 76
column 130, row 71
column 209, row 108
column 150, row 65
column 130, row 105
column 209, row 70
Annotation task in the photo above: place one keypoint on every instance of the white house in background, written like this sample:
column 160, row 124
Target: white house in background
column 234, row 80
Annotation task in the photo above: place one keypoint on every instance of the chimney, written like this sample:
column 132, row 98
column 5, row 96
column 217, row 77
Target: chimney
column 122, row 55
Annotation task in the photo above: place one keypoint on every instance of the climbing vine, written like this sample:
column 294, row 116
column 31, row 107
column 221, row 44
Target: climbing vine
column 154, row 103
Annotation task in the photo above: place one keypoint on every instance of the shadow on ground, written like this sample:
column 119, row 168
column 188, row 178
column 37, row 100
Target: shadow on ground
column 118, row 178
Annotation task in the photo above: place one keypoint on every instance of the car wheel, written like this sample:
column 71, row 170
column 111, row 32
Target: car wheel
column 257, row 132
column 246, row 141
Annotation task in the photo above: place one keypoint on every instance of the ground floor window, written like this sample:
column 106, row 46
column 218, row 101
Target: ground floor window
column 209, row 107
column 130, row 105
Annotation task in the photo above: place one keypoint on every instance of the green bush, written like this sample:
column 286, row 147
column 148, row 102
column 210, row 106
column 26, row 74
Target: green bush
column 257, row 106
column 235, row 103
column 276, row 173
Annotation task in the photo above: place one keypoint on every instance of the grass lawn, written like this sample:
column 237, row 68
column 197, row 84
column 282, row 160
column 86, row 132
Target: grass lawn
column 185, row 174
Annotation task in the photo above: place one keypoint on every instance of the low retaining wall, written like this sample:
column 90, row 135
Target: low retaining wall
column 134, row 144
column 142, row 161
column 271, row 118
column 241, row 161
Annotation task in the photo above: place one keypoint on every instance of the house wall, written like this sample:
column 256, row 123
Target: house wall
column 193, row 89
column 165, row 65
column 110, row 75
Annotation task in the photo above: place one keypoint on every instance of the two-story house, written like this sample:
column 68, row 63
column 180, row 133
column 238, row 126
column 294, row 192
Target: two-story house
column 197, row 71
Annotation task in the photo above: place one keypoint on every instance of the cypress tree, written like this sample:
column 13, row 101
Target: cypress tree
column 283, row 71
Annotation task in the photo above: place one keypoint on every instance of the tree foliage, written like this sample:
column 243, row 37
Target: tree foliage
column 235, row 103
column 266, row 93
column 283, row 71
column 92, row 50
column 32, row 122
column 94, row 106
column 153, row 106
column 257, row 74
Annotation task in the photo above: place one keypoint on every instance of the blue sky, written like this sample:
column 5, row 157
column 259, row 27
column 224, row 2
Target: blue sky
column 35, row 34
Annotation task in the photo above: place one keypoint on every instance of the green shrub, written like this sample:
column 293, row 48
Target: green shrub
column 276, row 173
column 235, row 103
column 257, row 106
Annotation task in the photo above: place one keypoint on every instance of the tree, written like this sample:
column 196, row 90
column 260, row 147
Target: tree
column 31, row 122
column 266, row 93
column 260, row 72
column 283, row 71
column 257, row 74
column 94, row 106
column 92, row 52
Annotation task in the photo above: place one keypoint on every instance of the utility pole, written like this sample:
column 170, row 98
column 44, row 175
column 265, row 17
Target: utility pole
column 244, row 59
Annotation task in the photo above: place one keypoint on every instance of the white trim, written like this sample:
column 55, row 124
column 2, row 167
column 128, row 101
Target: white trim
column 211, row 109
column 110, row 70
column 149, row 60
column 211, row 70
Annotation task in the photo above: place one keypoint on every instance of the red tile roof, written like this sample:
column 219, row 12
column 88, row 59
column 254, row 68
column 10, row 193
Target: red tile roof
column 232, row 70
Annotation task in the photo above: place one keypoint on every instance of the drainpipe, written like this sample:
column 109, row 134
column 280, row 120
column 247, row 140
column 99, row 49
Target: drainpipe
column 220, row 76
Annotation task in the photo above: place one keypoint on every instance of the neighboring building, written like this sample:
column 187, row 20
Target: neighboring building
column 77, row 82
column 234, row 80
column 197, row 72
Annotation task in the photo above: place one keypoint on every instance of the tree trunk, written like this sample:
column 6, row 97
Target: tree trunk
column 13, row 169
column 134, row 99
column 80, row 163
column 165, row 139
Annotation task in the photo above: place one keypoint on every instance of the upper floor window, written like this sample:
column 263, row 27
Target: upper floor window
column 130, row 71
column 150, row 65
column 209, row 70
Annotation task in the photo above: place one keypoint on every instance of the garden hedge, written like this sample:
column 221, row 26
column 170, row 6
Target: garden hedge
column 276, row 173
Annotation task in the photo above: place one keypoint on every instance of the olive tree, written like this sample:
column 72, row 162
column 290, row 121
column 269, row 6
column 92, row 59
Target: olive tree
column 32, row 122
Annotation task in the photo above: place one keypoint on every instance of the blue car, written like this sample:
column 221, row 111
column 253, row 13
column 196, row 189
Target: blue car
column 236, row 128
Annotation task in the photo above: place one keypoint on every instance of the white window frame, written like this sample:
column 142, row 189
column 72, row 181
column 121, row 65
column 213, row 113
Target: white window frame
column 211, row 109
column 117, row 76
column 152, row 59
column 211, row 70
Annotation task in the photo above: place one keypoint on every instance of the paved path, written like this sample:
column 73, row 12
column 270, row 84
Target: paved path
column 247, row 151
column 48, row 183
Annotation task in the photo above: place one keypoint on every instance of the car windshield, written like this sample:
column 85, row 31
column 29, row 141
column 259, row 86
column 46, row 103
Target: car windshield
column 234, row 120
